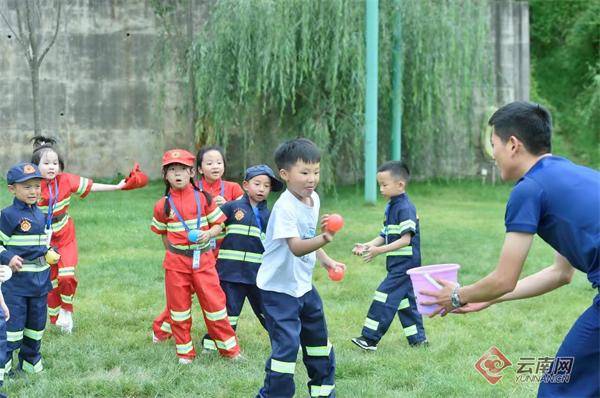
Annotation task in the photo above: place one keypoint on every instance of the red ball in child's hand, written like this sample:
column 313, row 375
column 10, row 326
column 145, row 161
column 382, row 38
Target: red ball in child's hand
column 336, row 274
column 335, row 222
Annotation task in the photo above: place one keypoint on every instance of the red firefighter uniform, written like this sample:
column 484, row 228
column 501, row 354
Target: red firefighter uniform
column 228, row 190
column 55, row 201
column 182, row 280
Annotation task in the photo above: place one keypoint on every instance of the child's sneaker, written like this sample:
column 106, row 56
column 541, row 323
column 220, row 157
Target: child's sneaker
column 65, row 321
column 155, row 339
column 422, row 343
column 364, row 343
column 238, row 358
column 185, row 361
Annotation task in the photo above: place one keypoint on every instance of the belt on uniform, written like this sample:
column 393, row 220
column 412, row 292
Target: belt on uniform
column 36, row 265
column 59, row 218
column 186, row 252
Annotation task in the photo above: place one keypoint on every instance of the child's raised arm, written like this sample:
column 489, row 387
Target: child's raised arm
column 96, row 187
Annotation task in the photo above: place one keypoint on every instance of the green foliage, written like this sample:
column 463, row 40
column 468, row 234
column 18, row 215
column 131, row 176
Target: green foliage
column 271, row 70
column 565, row 42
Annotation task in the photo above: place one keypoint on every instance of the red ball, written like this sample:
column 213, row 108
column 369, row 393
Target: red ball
column 335, row 222
column 336, row 274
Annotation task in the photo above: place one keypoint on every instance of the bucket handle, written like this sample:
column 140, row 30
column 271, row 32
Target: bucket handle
column 432, row 281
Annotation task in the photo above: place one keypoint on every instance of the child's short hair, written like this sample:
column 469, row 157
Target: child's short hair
column 288, row 153
column 397, row 169
column 209, row 148
column 531, row 123
column 41, row 145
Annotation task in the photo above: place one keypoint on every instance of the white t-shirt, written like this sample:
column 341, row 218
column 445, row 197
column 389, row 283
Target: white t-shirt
column 281, row 271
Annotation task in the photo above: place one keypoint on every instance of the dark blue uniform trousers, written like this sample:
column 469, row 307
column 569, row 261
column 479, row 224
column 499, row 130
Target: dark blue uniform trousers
column 24, row 331
column 2, row 345
column 236, row 294
column 583, row 344
column 293, row 322
column 394, row 295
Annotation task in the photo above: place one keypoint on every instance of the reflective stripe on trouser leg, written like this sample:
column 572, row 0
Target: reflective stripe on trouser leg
column 161, row 326
column 389, row 299
column 178, row 289
column 411, row 320
column 30, row 356
column 319, row 357
column 282, row 316
column 212, row 300
column 17, row 305
column 67, row 281
column 54, row 301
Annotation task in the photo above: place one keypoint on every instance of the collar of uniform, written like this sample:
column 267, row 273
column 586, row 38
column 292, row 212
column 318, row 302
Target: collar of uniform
column 259, row 205
column 397, row 198
column 19, row 204
column 175, row 193
column 215, row 186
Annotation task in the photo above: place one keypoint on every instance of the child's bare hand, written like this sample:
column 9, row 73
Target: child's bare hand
column 369, row 253
column 219, row 200
column 203, row 237
column 121, row 184
column 358, row 249
column 335, row 265
column 15, row 263
column 324, row 229
column 6, row 311
column 5, row 273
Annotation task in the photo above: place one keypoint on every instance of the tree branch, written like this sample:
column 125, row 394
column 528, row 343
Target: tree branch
column 17, row 36
column 55, row 33
column 30, row 27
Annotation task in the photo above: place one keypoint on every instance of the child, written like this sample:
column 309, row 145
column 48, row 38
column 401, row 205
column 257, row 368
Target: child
column 57, row 189
column 210, row 164
column 240, row 254
column 190, row 268
column 399, row 240
column 292, row 307
column 23, row 245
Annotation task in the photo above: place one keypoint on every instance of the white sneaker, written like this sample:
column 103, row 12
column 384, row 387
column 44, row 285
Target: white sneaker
column 155, row 339
column 65, row 321
column 185, row 361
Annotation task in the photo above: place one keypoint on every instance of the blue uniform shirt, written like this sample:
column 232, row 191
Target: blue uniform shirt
column 400, row 219
column 560, row 201
column 22, row 234
column 241, row 252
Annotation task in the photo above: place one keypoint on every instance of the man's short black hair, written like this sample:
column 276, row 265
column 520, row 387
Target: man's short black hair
column 397, row 169
column 288, row 153
column 530, row 123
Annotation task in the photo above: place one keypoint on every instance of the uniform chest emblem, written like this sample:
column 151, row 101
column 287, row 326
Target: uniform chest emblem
column 239, row 214
column 28, row 169
column 25, row 225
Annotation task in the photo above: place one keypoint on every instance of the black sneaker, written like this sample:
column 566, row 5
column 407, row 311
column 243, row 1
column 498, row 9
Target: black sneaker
column 422, row 343
column 364, row 343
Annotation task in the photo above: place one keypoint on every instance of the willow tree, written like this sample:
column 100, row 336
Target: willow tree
column 269, row 70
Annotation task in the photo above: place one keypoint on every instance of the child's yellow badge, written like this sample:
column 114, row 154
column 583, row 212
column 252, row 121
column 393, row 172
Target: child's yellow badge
column 25, row 225
column 28, row 169
column 239, row 214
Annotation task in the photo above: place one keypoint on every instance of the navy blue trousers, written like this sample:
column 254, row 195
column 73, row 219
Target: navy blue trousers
column 294, row 322
column 236, row 294
column 583, row 344
column 2, row 345
column 24, row 331
column 394, row 295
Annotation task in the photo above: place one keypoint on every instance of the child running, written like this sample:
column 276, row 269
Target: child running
column 187, row 219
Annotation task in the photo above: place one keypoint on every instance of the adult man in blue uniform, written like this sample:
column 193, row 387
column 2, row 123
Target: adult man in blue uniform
column 560, row 201
column 23, row 246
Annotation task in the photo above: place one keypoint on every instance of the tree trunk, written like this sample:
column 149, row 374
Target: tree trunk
column 192, row 113
column 35, row 92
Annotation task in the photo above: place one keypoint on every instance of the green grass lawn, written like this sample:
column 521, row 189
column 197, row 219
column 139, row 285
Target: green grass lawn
column 110, row 353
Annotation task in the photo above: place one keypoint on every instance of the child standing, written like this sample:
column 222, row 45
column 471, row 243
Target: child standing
column 292, row 307
column 57, row 189
column 190, row 266
column 23, row 246
column 241, row 252
column 5, row 274
column 399, row 241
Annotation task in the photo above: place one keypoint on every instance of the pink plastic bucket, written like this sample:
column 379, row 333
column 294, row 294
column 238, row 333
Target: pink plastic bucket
column 422, row 278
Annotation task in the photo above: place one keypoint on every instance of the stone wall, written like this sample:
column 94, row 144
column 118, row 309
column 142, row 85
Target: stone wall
column 100, row 100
